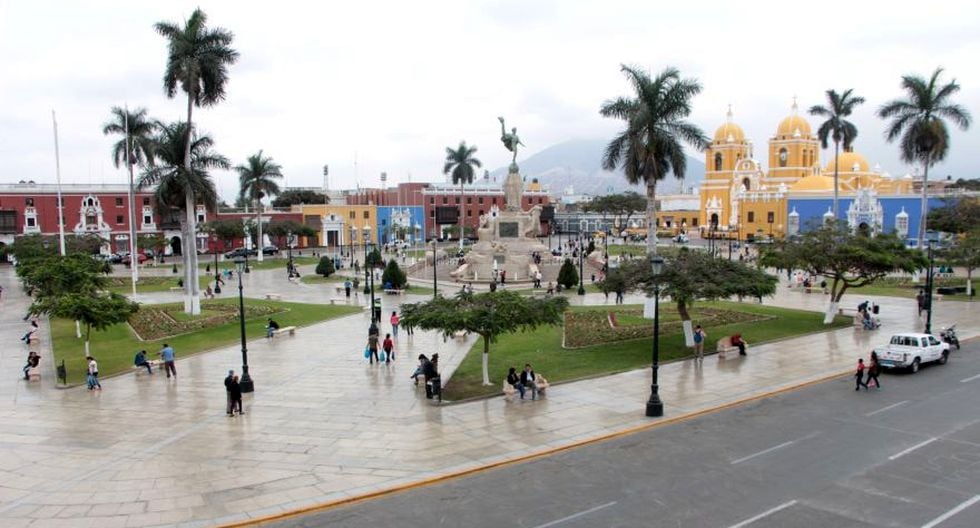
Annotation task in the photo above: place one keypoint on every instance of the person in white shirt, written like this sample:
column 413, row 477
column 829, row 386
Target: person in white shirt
column 93, row 374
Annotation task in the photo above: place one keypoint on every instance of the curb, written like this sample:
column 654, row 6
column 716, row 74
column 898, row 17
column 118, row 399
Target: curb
column 347, row 501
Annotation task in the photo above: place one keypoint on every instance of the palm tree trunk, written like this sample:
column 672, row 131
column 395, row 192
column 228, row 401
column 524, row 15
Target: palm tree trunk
column 190, row 259
column 924, row 206
column 134, row 262
column 836, row 186
column 258, row 220
column 652, row 217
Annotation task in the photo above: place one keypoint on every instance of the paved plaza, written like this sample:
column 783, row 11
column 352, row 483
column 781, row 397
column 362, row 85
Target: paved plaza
column 323, row 425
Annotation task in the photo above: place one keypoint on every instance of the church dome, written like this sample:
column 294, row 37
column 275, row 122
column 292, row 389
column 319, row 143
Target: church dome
column 813, row 183
column 848, row 162
column 793, row 126
column 729, row 132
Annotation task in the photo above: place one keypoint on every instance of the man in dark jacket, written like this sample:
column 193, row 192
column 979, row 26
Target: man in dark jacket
column 229, row 381
column 527, row 379
column 429, row 373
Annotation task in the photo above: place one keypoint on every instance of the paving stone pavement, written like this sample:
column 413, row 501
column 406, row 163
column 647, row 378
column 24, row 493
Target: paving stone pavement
column 322, row 425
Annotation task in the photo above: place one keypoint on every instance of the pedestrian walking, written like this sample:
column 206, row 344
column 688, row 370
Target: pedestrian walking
column 920, row 301
column 347, row 287
column 372, row 346
column 167, row 355
column 229, row 401
column 389, row 347
column 859, row 376
column 873, row 370
column 699, row 336
column 93, row 374
column 394, row 324
column 236, row 395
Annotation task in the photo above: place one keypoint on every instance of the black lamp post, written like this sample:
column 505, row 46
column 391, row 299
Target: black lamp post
column 246, row 381
column 435, row 282
column 581, row 259
column 929, row 291
column 247, row 270
column 217, row 280
column 353, row 232
column 655, row 406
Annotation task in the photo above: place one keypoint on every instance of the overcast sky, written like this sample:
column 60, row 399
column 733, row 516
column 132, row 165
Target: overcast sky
column 391, row 84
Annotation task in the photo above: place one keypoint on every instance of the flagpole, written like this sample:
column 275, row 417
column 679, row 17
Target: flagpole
column 134, row 261
column 61, row 205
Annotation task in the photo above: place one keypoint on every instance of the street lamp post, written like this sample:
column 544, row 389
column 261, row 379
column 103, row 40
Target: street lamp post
column 435, row 268
column 367, row 269
column 246, row 382
column 217, row 281
column 247, row 270
column 929, row 290
column 655, row 406
column 581, row 260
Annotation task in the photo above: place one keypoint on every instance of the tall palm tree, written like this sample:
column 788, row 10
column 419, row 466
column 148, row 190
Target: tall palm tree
column 461, row 165
column 257, row 179
column 919, row 120
column 134, row 148
column 174, row 182
column 651, row 144
column 197, row 62
column 836, row 127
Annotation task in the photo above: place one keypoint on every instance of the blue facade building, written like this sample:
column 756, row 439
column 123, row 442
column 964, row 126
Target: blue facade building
column 400, row 222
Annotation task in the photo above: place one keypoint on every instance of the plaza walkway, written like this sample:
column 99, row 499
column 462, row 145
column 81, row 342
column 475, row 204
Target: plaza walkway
column 323, row 425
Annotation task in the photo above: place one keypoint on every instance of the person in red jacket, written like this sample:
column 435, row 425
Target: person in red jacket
column 389, row 347
column 859, row 376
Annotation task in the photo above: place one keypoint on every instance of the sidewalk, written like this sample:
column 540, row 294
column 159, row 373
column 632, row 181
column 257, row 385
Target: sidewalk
column 322, row 425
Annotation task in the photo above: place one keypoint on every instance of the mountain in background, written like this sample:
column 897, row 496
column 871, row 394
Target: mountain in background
column 576, row 166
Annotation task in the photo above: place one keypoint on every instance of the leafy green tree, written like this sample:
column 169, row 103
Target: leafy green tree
column 156, row 242
column 956, row 216
column 965, row 253
column 53, row 276
column 198, row 58
column 837, row 127
column 283, row 230
column 290, row 197
column 257, row 178
column 227, row 231
column 568, row 275
column 461, row 164
column 374, row 259
column 179, row 188
column 453, row 231
column 968, row 185
column 486, row 314
column 325, row 267
column 99, row 311
column 621, row 207
column 651, row 146
column 920, row 120
column 847, row 259
column 394, row 275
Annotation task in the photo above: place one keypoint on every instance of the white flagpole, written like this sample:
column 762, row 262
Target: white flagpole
column 61, row 205
column 134, row 261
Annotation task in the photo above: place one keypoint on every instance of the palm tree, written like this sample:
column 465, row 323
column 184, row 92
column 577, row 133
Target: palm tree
column 836, row 127
column 257, row 178
column 651, row 145
column 174, row 183
column 919, row 119
column 197, row 62
column 134, row 148
column 461, row 164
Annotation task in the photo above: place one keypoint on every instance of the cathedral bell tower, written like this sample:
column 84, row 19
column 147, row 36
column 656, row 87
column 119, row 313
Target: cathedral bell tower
column 722, row 156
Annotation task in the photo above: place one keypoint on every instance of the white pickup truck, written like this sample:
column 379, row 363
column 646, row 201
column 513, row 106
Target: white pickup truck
column 912, row 350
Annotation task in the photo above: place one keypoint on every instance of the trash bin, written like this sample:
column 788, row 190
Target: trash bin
column 436, row 384
column 874, row 309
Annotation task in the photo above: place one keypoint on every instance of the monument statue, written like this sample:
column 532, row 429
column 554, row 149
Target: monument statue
column 511, row 140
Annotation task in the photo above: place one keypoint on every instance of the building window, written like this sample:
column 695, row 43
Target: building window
column 200, row 218
column 494, row 201
column 746, row 184
column 771, row 217
column 718, row 161
column 469, row 212
column 367, row 215
column 694, row 222
column 750, row 217
column 147, row 219
column 432, row 213
column 29, row 202
column 31, row 221
column 479, row 200
column 146, row 200
column 119, row 219
column 457, row 200
column 352, row 215
column 481, row 212
column 119, row 202
column 469, row 200
column 540, row 200
column 432, row 199
column 445, row 200
column 783, row 157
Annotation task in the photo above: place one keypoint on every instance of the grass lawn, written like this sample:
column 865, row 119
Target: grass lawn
column 147, row 284
column 902, row 287
column 115, row 347
column 320, row 279
column 543, row 347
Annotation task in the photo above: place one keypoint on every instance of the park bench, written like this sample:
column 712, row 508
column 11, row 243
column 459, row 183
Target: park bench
column 273, row 296
column 725, row 346
column 394, row 291
column 34, row 374
column 540, row 382
column 291, row 330
column 154, row 364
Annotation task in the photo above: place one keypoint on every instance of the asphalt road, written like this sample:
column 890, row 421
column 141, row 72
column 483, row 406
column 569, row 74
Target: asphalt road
column 905, row 456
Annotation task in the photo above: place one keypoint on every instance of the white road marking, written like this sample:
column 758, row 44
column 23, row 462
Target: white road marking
column 888, row 408
column 766, row 513
column 913, row 448
column 576, row 515
column 771, row 449
column 971, row 378
column 950, row 513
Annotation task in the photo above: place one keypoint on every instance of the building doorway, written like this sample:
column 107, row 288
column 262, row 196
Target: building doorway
column 175, row 246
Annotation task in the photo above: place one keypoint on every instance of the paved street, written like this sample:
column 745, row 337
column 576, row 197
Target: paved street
column 905, row 456
column 323, row 426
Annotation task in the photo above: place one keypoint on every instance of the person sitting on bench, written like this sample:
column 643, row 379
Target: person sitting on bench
column 33, row 359
column 140, row 361
column 737, row 342
column 270, row 329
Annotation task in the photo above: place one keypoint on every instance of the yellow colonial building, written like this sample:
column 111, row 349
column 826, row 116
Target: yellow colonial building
column 741, row 199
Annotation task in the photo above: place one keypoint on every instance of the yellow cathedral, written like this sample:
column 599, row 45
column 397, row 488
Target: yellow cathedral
column 741, row 200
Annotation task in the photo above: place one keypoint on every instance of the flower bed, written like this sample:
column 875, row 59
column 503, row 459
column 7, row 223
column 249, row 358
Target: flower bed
column 153, row 322
column 591, row 327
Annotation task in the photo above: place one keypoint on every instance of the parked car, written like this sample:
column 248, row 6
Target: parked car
column 141, row 258
column 270, row 250
column 240, row 252
column 911, row 350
